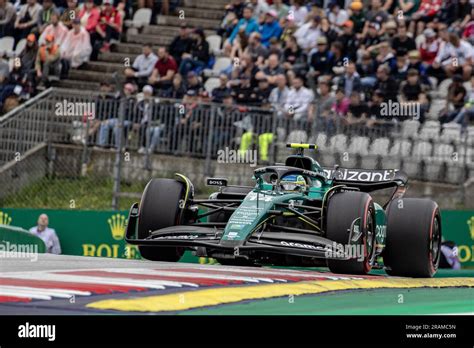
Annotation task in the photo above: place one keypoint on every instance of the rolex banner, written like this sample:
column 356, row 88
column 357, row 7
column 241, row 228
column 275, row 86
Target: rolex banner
column 85, row 232
column 101, row 233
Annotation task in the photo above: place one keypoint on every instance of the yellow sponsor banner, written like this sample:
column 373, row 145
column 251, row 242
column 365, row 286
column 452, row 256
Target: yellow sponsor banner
column 218, row 296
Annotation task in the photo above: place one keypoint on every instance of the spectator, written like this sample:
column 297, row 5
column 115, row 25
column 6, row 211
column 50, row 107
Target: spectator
column 350, row 81
column 309, row 33
column 386, row 83
column 456, row 57
column 28, row 61
column 336, row 15
column 47, row 61
column 367, row 69
column 111, row 123
column 324, row 98
column 455, row 100
column 357, row 17
column 403, row 41
column 164, row 70
column 198, row 58
column 400, row 69
column 177, row 90
column 358, row 111
column 293, row 56
column 109, row 27
column 300, row 98
column 298, row 12
column 270, row 28
column 76, row 49
column 181, row 44
column 376, row 16
column 7, row 18
column 246, row 24
column 89, row 16
column 70, row 13
column 341, row 104
column 260, row 8
column 349, row 41
column 55, row 28
column 279, row 95
column 193, row 83
column 45, row 15
column 220, row 91
column 142, row 66
column 280, row 8
column 27, row 19
column 263, row 91
column 48, row 235
column 255, row 49
column 149, row 135
column 321, row 60
column 429, row 48
column 272, row 69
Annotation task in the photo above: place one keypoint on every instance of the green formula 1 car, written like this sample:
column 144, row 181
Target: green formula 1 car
column 298, row 213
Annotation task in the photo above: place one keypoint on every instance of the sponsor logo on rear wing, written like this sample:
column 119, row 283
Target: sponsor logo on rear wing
column 361, row 175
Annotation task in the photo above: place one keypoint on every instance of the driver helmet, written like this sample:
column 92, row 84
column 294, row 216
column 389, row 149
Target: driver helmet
column 293, row 183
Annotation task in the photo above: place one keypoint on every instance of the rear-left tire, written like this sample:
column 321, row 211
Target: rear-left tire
column 159, row 208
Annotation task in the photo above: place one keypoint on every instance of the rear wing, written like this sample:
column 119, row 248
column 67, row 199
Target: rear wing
column 367, row 180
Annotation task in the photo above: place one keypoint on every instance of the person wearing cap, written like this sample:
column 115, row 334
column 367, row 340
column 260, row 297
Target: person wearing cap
column 7, row 18
column 47, row 61
column 70, row 13
column 45, row 15
column 76, row 48
column 349, row 40
column 430, row 47
column 164, row 70
column 26, row 19
column 181, row 43
column 270, row 28
column 193, row 83
column 28, row 57
column 247, row 24
column 109, row 28
column 357, row 16
column 321, row 59
column 199, row 56
column 55, row 28
column 308, row 33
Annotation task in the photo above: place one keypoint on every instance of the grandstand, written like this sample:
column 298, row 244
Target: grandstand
column 266, row 73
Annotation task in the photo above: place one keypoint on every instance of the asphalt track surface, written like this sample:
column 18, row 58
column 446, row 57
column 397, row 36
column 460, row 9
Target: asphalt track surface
column 71, row 285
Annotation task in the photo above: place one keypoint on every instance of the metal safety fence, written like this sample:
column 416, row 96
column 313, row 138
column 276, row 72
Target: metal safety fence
column 69, row 149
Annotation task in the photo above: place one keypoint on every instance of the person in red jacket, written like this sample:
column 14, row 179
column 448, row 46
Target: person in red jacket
column 89, row 16
column 110, row 25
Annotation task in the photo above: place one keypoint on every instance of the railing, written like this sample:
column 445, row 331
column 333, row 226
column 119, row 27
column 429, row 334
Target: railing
column 191, row 128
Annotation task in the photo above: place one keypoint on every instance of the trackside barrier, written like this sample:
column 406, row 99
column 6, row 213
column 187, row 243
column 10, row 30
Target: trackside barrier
column 189, row 127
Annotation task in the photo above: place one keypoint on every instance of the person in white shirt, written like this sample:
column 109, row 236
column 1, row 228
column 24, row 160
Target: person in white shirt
column 48, row 235
column 308, row 33
column 299, row 100
column 455, row 56
column 279, row 95
column 298, row 12
column 142, row 67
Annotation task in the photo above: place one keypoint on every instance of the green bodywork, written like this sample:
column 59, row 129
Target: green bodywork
column 258, row 205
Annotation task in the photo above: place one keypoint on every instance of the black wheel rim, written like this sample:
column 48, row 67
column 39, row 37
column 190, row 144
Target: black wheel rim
column 435, row 243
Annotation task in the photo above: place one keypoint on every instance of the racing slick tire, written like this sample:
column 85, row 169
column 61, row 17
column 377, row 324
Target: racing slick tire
column 413, row 244
column 343, row 209
column 159, row 208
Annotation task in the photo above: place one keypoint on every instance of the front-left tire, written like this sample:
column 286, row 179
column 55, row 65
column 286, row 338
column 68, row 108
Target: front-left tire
column 159, row 208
